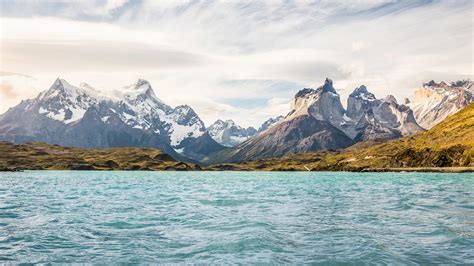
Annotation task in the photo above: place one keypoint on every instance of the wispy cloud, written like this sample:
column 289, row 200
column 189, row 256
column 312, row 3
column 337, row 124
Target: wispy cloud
column 210, row 54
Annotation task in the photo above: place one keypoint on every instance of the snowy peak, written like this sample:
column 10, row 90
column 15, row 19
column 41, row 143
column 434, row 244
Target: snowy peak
column 387, row 119
column 433, row 101
column 362, row 93
column 59, row 87
column 228, row 133
column 134, row 107
column 139, row 90
column 359, row 101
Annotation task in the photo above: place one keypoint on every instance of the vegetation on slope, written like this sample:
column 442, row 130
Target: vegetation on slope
column 37, row 155
column 448, row 144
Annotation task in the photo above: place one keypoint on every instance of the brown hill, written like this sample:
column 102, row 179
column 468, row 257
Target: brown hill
column 37, row 155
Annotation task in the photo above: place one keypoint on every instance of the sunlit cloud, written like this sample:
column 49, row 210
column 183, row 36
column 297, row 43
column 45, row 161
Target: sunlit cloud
column 210, row 54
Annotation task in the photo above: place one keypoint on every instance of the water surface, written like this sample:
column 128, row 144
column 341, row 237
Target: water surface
column 236, row 217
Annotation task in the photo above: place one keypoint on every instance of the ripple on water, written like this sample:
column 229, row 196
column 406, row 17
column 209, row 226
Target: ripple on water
column 242, row 218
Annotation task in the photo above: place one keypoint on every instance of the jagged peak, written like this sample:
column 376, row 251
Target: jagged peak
column 230, row 122
column 218, row 122
column 60, row 82
column 184, row 108
column 361, row 89
column 304, row 92
column 59, row 86
column 140, row 88
column 461, row 83
column 327, row 86
column 141, row 82
column 362, row 93
column 226, row 123
column 390, row 99
column 434, row 84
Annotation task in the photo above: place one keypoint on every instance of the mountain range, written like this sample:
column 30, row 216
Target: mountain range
column 85, row 117
column 318, row 121
column 229, row 134
column 449, row 144
column 134, row 116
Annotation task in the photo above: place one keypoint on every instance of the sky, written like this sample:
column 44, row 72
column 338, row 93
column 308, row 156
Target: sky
column 240, row 60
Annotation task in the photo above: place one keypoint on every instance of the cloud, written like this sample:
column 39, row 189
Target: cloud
column 7, row 91
column 69, row 56
column 75, row 9
column 15, row 87
column 234, row 58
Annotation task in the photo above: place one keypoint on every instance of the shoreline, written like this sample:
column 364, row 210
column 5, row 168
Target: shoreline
column 423, row 169
column 367, row 170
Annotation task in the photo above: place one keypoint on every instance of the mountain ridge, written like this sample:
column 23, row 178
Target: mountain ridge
column 367, row 118
column 133, row 117
column 448, row 144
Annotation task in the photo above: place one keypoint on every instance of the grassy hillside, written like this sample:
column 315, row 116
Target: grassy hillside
column 448, row 144
column 39, row 155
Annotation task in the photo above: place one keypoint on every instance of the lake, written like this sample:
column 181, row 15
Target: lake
column 236, row 217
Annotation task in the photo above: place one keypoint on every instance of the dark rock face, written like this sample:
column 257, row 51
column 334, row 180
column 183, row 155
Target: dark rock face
column 369, row 128
column 82, row 117
column 317, row 121
column 369, row 118
column 314, row 123
column 359, row 101
column 299, row 135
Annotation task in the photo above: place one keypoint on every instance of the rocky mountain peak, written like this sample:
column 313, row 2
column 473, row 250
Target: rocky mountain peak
column 304, row 92
column 327, row 86
column 433, row 102
column 431, row 83
column 361, row 92
column 228, row 133
column 139, row 90
column 323, row 104
column 141, row 82
column 390, row 99
column 230, row 122
column 462, row 84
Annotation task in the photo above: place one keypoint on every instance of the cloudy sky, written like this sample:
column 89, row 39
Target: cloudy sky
column 241, row 60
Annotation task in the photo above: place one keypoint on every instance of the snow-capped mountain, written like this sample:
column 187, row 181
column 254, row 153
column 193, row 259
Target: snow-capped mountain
column 434, row 102
column 370, row 118
column 85, row 117
column 229, row 134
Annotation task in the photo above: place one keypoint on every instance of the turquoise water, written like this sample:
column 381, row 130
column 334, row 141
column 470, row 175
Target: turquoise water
column 236, row 217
